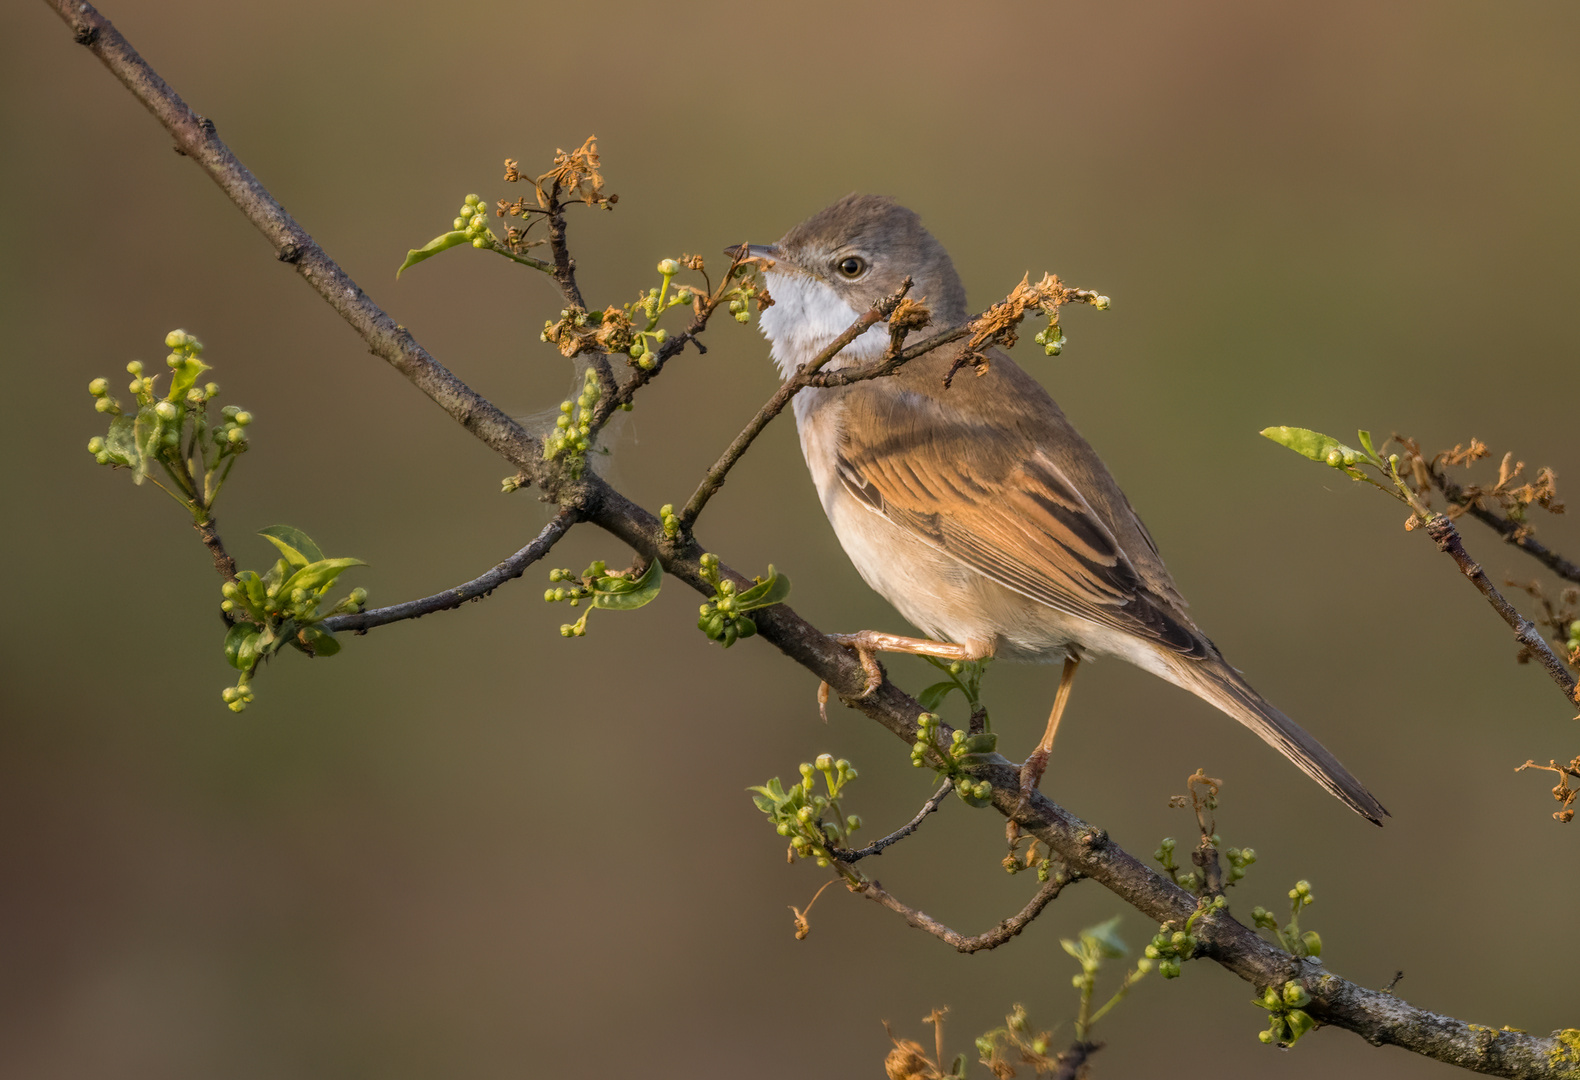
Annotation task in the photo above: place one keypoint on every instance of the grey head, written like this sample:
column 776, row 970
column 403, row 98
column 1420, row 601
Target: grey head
column 832, row 267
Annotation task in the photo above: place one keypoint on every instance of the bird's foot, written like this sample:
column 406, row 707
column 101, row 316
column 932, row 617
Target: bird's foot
column 1030, row 776
column 866, row 650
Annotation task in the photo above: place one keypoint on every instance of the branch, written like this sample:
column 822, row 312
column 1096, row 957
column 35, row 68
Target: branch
column 216, row 548
column 1441, row 529
column 889, row 364
column 1085, row 851
column 1509, row 530
column 195, row 138
column 477, row 588
column 990, row 939
column 564, row 267
column 847, row 855
column 714, row 480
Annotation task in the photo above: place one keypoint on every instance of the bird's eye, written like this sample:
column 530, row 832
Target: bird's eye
column 852, row 266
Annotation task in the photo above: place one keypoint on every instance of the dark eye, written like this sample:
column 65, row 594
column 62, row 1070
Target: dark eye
column 852, row 266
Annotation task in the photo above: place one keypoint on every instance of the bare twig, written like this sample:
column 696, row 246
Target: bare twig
column 888, row 365
column 1379, row 1018
column 477, row 588
column 1442, row 530
column 990, row 939
column 564, row 266
column 1511, row 531
column 714, row 480
column 223, row 563
column 931, row 806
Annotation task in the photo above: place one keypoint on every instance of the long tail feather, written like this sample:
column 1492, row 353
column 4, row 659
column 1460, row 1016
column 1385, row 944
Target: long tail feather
column 1218, row 684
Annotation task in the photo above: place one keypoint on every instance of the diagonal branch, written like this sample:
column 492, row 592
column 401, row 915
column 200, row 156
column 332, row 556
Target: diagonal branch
column 848, row 855
column 475, row 589
column 1441, row 529
column 1511, row 531
column 988, row 939
column 1377, row 1016
column 195, row 138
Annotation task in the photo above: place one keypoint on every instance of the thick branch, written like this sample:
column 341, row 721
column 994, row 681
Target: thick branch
column 1509, row 530
column 478, row 587
column 1442, row 530
column 848, row 855
column 990, row 939
column 1083, row 850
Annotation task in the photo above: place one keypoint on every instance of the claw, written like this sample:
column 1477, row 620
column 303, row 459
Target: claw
column 1030, row 776
column 865, row 646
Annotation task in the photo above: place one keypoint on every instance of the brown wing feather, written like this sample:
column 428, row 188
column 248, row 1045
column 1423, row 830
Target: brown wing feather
column 1014, row 518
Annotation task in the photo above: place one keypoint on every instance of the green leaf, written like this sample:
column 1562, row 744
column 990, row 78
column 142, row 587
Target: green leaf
column 772, row 590
column 317, row 575
column 623, row 594
column 233, row 640
column 121, row 441
column 297, row 547
column 253, row 584
column 317, row 641
column 1104, row 939
column 248, row 647
column 146, row 433
column 1317, row 447
column 276, row 574
column 934, row 695
column 432, row 248
column 1366, row 442
column 185, row 377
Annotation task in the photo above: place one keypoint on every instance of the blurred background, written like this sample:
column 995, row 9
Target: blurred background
column 467, row 847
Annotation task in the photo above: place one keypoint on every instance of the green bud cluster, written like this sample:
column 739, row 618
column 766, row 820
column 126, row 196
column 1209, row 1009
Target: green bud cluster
column 599, row 587
column 812, row 821
column 724, row 618
column 671, row 523
column 1287, row 1020
column 171, row 435
column 572, row 435
column 1239, row 859
column 955, row 757
column 1052, row 338
column 472, row 219
column 283, row 606
column 1301, row 943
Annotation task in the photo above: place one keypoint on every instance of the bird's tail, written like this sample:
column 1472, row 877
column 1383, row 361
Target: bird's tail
column 1218, row 684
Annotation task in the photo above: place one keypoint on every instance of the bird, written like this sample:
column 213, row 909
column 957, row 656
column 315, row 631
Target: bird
column 972, row 504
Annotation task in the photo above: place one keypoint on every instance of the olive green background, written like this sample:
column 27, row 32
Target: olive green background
column 466, row 847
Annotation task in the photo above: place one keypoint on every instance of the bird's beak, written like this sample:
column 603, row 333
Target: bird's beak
column 766, row 254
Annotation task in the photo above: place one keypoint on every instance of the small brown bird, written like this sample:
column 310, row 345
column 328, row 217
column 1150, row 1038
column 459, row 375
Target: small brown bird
column 977, row 510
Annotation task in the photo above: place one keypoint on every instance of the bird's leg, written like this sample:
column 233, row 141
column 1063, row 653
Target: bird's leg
column 1031, row 772
column 868, row 643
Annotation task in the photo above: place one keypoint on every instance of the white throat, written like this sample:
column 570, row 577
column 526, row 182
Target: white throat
column 806, row 316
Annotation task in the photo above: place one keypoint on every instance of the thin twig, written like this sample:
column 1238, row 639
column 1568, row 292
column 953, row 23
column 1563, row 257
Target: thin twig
column 478, row 587
column 889, row 364
column 1441, row 529
column 1511, row 531
column 1379, row 1018
column 990, row 939
column 931, row 806
column 223, row 563
column 714, row 480
column 564, row 266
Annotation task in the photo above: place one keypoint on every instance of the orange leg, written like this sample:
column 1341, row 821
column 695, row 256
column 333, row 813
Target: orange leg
column 1031, row 772
column 868, row 643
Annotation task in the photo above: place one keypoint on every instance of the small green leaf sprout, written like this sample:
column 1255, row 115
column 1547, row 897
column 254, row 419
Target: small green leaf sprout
column 1173, row 944
column 282, row 606
column 597, row 587
column 811, row 820
column 724, row 618
column 1290, row 936
column 1091, row 947
column 1287, row 1021
column 1352, row 462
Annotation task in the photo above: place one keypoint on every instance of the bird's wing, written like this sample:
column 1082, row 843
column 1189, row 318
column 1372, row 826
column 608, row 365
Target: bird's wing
column 996, row 501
